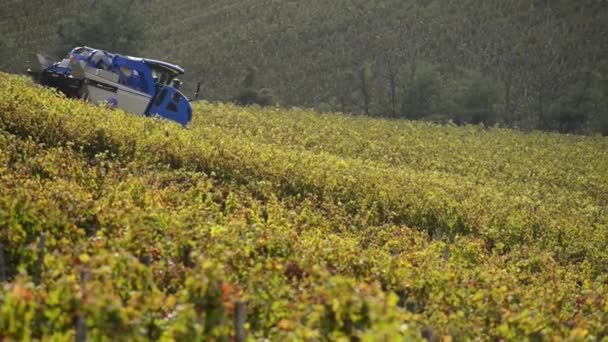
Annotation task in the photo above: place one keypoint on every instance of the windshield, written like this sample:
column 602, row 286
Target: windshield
column 162, row 76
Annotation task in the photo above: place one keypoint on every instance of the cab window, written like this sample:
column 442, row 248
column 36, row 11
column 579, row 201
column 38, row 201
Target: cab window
column 132, row 79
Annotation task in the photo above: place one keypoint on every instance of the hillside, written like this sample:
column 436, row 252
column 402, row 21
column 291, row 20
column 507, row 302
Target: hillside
column 526, row 64
column 325, row 226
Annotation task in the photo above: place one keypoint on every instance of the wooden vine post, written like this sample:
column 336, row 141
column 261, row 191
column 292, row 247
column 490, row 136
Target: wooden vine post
column 2, row 265
column 81, row 320
column 240, row 317
column 40, row 262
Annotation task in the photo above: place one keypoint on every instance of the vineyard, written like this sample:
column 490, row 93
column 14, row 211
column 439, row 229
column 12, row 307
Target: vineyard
column 329, row 227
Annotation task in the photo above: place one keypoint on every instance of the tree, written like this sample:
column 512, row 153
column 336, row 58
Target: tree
column 390, row 74
column 599, row 94
column 365, row 74
column 249, row 94
column 421, row 91
column 251, row 78
column 551, row 68
column 414, row 35
column 110, row 25
column 474, row 99
column 344, row 89
column 3, row 53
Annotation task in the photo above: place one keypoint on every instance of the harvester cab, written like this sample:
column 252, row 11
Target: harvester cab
column 139, row 85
